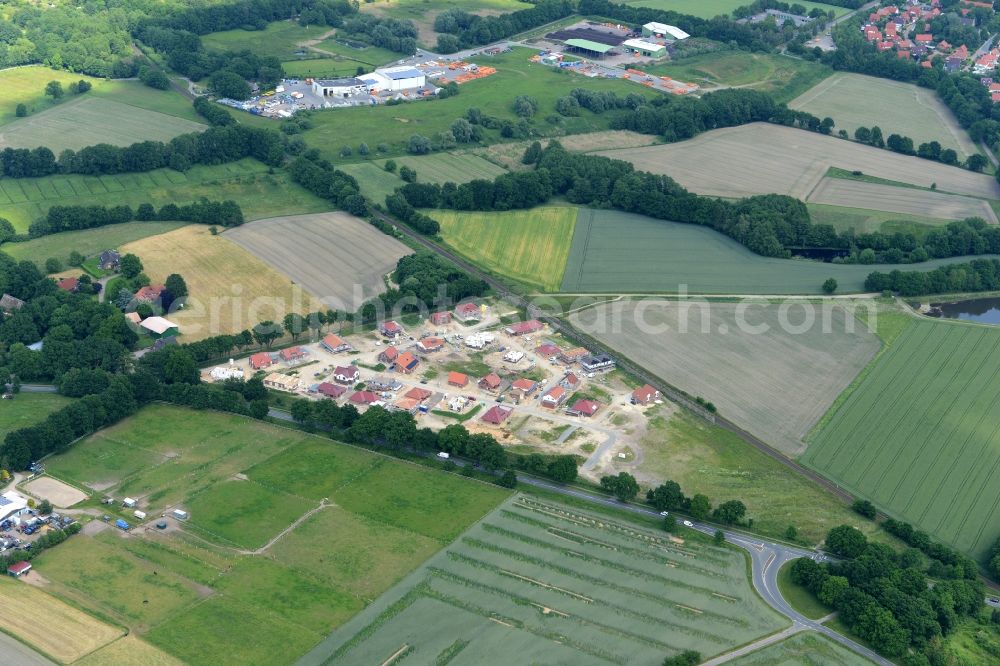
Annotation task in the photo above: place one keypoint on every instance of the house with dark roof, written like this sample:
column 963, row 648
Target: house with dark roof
column 168, row 341
column 332, row 391
column 597, row 363
column 109, row 260
column 364, row 398
column 8, row 303
column 346, row 374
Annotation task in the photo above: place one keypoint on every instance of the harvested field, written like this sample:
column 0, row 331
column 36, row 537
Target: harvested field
column 509, row 154
column 920, row 434
column 87, row 121
column 555, row 585
column 87, row 242
column 899, row 108
column 529, row 246
column 65, row 634
column 864, row 221
column 338, row 257
column 230, row 288
column 624, row 253
column 748, row 360
column 761, row 158
column 903, row 200
column 60, row 494
column 805, row 647
column 129, row 651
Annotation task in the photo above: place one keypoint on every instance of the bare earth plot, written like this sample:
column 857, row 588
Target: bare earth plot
column 770, row 372
column 761, row 158
column 61, row 495
column 87, row 121
column 855, row 194
column 340, row 258
column 855, row 100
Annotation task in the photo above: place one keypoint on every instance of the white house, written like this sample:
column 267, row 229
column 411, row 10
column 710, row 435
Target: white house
column 349, row 87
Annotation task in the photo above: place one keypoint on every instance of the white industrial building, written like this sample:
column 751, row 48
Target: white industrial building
column 12, row 505
column 670, row 32
column 394, row 79
column 642, row 47
column 349, row 87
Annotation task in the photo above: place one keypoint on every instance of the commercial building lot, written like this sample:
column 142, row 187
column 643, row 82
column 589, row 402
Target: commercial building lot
column 339, row 258
column 761, row 158
column 775, row 379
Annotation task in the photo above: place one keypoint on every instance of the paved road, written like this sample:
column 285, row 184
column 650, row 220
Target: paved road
column 15, row 653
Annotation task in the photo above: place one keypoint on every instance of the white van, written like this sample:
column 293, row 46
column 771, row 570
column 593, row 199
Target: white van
column 443, row 455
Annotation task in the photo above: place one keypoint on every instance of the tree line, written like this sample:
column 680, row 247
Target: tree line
column 318, row 176
column 74, row 218
column 458, row 29
column 972, row 276
column 887, row 598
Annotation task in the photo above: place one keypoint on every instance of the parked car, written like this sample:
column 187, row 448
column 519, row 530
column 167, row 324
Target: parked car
column 688, row 523
column 664, row 513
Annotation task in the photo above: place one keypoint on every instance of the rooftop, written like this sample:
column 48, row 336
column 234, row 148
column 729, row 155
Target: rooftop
column 588, row 45
column 397, row 73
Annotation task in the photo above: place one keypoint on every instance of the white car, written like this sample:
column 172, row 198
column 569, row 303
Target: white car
column 688, row 523
column 664, row 513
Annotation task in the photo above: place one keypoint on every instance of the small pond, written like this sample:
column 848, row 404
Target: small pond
column 983, row 310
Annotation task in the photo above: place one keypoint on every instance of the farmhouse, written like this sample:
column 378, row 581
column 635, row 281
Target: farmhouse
column 390, row 329
column 441, row 318
column 524, row 327
column 8, row 303
column 644, row 395
column 406, row 363
column 18, row 569
column 332, row 391
column 490, row 382
column 70, row 284
column 293, row 355
column 458, row 379
column 364, row 398
column 109, row 260
column 554, row 397
column 346, row 374
column 261, row 360
column 497, row 414
column 158, row 327
column 334, row 344
column 597, row 363
column 347, row 87
column 389, row 355
column 664, row 31
column 468, row 312
column 430, row 344
column 281, row 382
column 150, row 293
column 584, row 408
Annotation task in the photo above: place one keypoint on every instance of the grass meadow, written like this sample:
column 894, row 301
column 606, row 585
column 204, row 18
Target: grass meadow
column 919, row 434
column 280, row 39
column 259, row 193
column 803, row 648
column 784, row 77
column 26, row 85
column 552, row 584
column 711, row 8
column 207, row 592
column 360, row 54
column 459, row 167
column 394, row 125
column 27, row 409
column 529, row 246
column 87, row 242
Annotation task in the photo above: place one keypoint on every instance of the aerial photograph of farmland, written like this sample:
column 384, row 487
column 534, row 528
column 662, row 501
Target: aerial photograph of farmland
column 611, row 332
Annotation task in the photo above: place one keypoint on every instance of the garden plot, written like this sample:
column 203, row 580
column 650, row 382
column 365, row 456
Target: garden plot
column 774, row 379
column 558, row 586
column 761, row 158
column 337, row 257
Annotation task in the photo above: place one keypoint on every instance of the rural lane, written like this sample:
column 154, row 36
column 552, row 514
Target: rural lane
column 766, row 557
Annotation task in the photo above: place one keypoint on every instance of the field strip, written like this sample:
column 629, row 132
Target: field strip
column 396, row 655
column 576, row 595
column 906, row 201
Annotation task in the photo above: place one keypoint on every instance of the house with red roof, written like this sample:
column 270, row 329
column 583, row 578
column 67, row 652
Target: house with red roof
column 458, row 379
column 903, row 54
column 995, row 97
column 261, row 360
column 418, row 394
column 389, row 355
column 150, row 293
column 497, row 414
column 364, row 398
column 18, row 569
column 524, row 327
column 490, row 383
column 390, row 329
column 293, row 354
column 584, row 408
column 548, row 350
column 406, row 405
column 644, row 395
column 523, row 386
column 346, row 374
column 924, row 38
column 571, row 356
column 70, row 284
column 872, row 34
column 943, row 46
column 468, row 312
column 569, row 381
column 428, row 345
column 406, row 363
column 553, row 397
column 334, row 344
column 332, row 391
column 441, row 318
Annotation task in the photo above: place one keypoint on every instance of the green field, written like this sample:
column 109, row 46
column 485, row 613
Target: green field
column 782, row 76
column 280, row 39
column 27, row 409
column 364, row 54
column 900, row 108
column 454, row 167
column 920, row 435
column 87, row 242
column 621, row 252
column 394, row 125
column 320, row 68
column 803, row 648
column 26, row 85
column 529, row 246
column 865, row 221
column 89, row 120
column 799, row 597
column 231, row 585
column 259, row 193
column 552, row 584
column 712, row 8
column 375, row 182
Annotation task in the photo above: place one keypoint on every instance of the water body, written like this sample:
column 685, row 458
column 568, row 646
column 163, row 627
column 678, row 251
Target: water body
column 982, row 310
